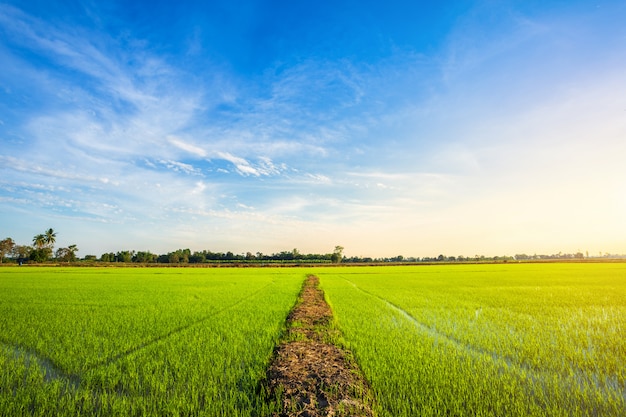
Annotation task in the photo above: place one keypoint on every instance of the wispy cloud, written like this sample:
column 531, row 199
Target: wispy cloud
column 181, row 167
column 264, row 166
column 25, row 166
column 188, row 147
column 485, row 33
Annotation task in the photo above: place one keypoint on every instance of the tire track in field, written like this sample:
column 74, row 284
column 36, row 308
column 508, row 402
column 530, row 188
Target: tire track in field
column 173, row 332
column 607, row 385
column 52, row 371
column 455, row 342
column 433, row 332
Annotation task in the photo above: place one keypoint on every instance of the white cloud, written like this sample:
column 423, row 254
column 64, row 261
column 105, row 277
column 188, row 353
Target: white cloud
column 318, row 178
column 181, row 167
column 241, row 165
column 33, row 167
column 188, row 147
column 264, row 166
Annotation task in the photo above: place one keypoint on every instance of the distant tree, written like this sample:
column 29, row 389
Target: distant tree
column 6, row 247
column 144, row 257
column 107, row 257
column 124, row 256
column 40, row 254
column 67, row 254
column 178, row 256
column 73, row 249
column 21, row 252
column 285, row 256
column 337, row 255
column 197, row 257
column 90, row 258
column 61, row 254
column 50, row 237
column 39, row 241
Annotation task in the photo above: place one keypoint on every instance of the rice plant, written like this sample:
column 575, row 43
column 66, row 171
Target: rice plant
column 139, row 341
column 531, row 339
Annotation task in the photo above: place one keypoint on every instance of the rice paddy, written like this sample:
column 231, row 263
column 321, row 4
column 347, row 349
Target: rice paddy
column 139, row 341
column 532, row 339
column 516, row 339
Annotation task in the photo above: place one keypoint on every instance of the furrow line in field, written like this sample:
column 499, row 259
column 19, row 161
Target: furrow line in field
column 436, row 334
column 51, row 370
column 610, row 386
column 54, row 372
column 173, row 332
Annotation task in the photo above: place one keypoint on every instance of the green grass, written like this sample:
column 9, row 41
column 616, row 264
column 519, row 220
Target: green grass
column 466, row 340
column 530, row 339
column 139, row 341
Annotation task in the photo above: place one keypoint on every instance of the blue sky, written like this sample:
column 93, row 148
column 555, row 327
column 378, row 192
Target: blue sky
column 412, row 128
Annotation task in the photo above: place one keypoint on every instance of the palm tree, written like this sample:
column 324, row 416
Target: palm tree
column 50, row 237
column 39, row 241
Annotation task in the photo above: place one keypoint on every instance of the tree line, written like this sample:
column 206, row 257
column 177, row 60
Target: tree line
column 42, row 250
column 186, row 256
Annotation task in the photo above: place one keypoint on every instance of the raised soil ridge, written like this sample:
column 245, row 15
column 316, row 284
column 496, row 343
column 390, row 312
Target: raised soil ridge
column 310, row 375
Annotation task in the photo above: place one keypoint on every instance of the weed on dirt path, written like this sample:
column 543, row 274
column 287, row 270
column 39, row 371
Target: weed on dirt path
column 310, row 376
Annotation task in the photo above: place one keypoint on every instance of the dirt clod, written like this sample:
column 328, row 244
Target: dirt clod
column 310, row 375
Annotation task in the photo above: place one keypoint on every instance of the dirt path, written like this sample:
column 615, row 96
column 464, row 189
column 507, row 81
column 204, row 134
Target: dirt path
column 310, row 375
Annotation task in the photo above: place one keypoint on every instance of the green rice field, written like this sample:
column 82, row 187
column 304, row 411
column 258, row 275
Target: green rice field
column 466, row 340
column 120, row 341
column 500, row 340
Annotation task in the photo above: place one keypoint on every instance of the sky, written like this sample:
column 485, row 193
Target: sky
column 411, row 128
